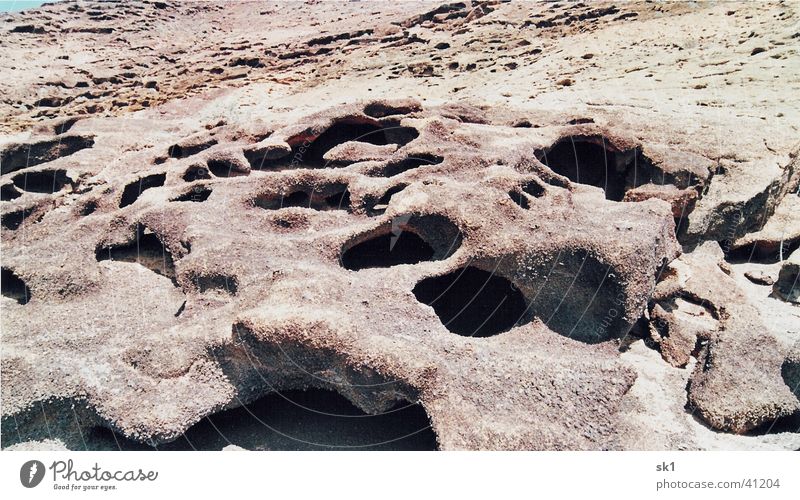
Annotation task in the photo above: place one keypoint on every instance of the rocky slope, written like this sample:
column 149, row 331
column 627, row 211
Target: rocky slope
column 477, row 225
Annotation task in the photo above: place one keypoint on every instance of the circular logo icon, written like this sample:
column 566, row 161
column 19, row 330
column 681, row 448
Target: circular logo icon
column 31, row 473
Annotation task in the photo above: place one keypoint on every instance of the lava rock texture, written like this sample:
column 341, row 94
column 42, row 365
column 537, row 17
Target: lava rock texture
column 477, row 214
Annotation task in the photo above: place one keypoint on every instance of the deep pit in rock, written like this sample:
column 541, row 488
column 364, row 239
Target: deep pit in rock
column 404, row 240
column 520, row 194
column 135, row 189
column 19, row 156
column 222, row 167
column 519, row 198
column 593, row 160
column 296, row 420
column 387, row 250
column 146, row 249
column 322, row 197
column 398, row 167
column 12, row 220
column 761, row 252
column 578, row 296
column 8, row 192
column 196, row 172
column 189, row 149
column 13, row 287
column 346, row 131
column 45, row 181
column 196, row 194
column 472, row 302
column 378, row 207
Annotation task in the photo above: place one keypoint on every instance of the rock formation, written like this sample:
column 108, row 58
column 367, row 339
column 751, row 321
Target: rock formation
column 483, row 225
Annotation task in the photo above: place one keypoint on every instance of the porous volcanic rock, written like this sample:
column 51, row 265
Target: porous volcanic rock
column 191, row 305
column 484, row 225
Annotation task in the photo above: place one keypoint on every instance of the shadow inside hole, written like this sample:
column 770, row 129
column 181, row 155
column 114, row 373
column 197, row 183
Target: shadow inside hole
column 789, row 423
column 190, row 148
column 296, row 420
column 345, row 131
column 196, row 172
column 133, row 190
column 766, row 252
column 13, row 287
column 196, row 194
column 8, row 192
column 406, row 239
column 586, row 160
column 579, row 296
column 340, row 133
column 88, row 208
column 47, row 181
column 387, row 250
column 519, row 198
column 12, row 220
column 472, row 302
column 321, row 198
column 224, row 168
column 394, row 168
column 146, row 250
column 382, row 204
column 16, row 157
column 212, row 282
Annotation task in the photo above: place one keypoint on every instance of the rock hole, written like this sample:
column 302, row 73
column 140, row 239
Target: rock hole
column 46, row 181
column 405, row 240
column 593, row 160
column 346, row 131
column 175, row 151
column 196, row 172
column 296, row 420
column 398, row 167
column 146, row 250
column 579, row 297
column 88, row 208
column 387, row 250
column 133, row 190
column 211, row 282
column 64, row 126
column 519, row 198
column 196, row 194
column 13, row 287
column 382, row 204
column 381, row 109
column 334, row 196
column 18, row 156
column 221, row 167
column 12, row 220
column 339, row 201
column 534, row 189
column 8, row 192
column 400, row 135
column 762, row 252
column 340, row 133
column 190, row 147
column 472, row 302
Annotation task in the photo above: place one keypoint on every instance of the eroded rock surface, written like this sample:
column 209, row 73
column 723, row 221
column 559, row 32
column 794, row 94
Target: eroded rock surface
column 549, row 247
